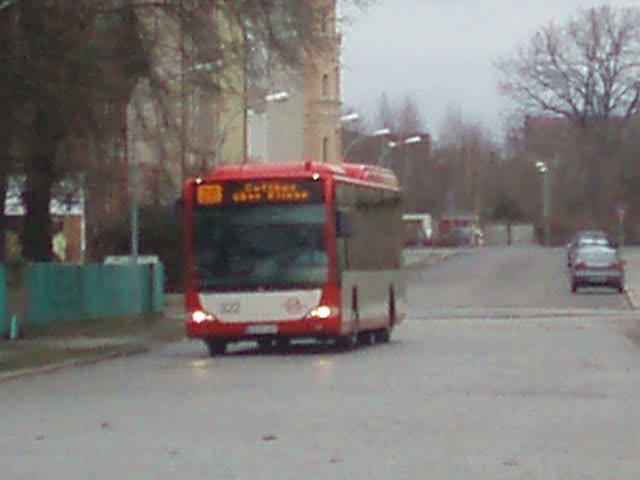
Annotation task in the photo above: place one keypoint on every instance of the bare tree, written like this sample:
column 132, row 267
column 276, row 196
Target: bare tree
column 386, row 117
column 409, row 117
column 583, row 69
column 468, row 149
column 453, row 126
column 402, row 118
column 584, row 72
column 72, row 61
column 6, row 86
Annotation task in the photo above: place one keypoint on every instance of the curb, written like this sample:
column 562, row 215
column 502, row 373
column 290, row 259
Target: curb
column 631, row 298
column 430, row 260
column 78, row 362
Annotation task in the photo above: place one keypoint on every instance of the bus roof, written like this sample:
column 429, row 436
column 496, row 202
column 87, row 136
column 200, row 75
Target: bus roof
column 350, row 171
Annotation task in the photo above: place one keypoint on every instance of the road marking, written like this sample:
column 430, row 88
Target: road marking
column 508, row 313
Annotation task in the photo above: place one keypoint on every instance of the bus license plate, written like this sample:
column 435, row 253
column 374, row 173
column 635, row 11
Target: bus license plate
column 262, row 329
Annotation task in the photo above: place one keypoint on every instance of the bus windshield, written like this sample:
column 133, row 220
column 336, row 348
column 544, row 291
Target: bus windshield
column 260, row 247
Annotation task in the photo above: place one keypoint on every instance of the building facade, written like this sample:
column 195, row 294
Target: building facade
column 195, row 129
column 307, row 126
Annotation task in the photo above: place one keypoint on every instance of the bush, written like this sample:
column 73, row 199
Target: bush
column 160, row 234
column 14, row 261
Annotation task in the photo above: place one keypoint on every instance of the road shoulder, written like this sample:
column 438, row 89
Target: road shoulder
column 74, row 343
column 631, row 256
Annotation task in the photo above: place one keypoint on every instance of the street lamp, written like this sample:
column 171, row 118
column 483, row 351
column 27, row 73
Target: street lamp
column 382, row 132
column 546, row 193
column 350, row 117
column 278, row 97
column 207, row 67
column 392, row 145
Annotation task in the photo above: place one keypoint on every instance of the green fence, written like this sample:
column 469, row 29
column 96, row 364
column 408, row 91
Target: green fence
column 60, row 293
column 158, row 283
column 4, row 322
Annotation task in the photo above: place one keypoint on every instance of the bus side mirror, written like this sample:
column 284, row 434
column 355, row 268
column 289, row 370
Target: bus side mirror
column 343, row 224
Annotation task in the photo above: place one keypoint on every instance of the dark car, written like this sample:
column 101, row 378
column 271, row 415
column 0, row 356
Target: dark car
column 597, row 266
column 458, row 237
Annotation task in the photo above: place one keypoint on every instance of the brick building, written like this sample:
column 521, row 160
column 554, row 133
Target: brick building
column 307, row 127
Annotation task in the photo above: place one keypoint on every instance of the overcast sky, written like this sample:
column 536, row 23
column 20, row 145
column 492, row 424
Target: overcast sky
column 441, row 52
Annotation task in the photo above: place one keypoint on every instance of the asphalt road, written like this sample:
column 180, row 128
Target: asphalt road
column 522, row 397
column 517, row 281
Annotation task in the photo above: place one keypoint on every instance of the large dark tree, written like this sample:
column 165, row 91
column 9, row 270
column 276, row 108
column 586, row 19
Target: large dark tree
column 70, row 61
column 7, row 100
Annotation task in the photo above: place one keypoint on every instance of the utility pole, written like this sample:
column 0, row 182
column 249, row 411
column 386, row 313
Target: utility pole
column 407, row 173
column 134, row 188
column 620, row 211
column 547, row 201
column 183, row 100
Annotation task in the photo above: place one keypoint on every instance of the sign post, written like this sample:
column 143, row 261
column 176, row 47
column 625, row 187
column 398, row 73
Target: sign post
column 620, row 211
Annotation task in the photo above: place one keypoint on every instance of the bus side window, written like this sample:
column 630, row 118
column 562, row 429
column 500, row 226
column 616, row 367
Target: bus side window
column 341, row 255
column 343, row 232
column 343, row 224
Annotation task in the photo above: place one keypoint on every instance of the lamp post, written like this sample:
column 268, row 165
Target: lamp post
column 183, row 101
column 360, row 138
column 278, row 97
column 133, row 184
column 350, row 117
column 546, row 194
column 392, row 145
column 620, row 213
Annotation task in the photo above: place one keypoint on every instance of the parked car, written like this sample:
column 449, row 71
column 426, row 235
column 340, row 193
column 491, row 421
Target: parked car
column 463, row 237
column 418, row 230
column 456, row 237
column 478, row 237
column 586, row 238
column 597, row 265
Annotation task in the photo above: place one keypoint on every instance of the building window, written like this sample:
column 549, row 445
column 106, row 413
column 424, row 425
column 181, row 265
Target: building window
column 325, row 149
column 109, row 108
column 323, row 22
column 325, row 85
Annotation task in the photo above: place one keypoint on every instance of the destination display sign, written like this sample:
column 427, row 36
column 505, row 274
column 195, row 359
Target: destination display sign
column 258, row 192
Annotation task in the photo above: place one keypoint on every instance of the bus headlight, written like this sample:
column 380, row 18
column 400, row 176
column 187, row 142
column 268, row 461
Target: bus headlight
column 322, row 312
column 200, row 316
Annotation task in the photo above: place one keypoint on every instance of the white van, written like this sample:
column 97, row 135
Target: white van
column 418, row 228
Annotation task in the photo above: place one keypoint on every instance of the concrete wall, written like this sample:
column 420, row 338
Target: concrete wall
column 521, row 234
column 285, row 124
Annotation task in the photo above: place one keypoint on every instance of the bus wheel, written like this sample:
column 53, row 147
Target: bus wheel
column 347, row 342
column 384, row 334
column 350, row 340
column 267, row 345
column 216, row 347
column 367, row 338
column 282, row 344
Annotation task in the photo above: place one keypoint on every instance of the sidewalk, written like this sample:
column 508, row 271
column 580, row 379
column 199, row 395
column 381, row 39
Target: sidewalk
column 632, row 275
column 48, row 349
column 425, row 257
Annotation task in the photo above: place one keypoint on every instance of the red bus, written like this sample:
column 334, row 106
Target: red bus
column 281, row 251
